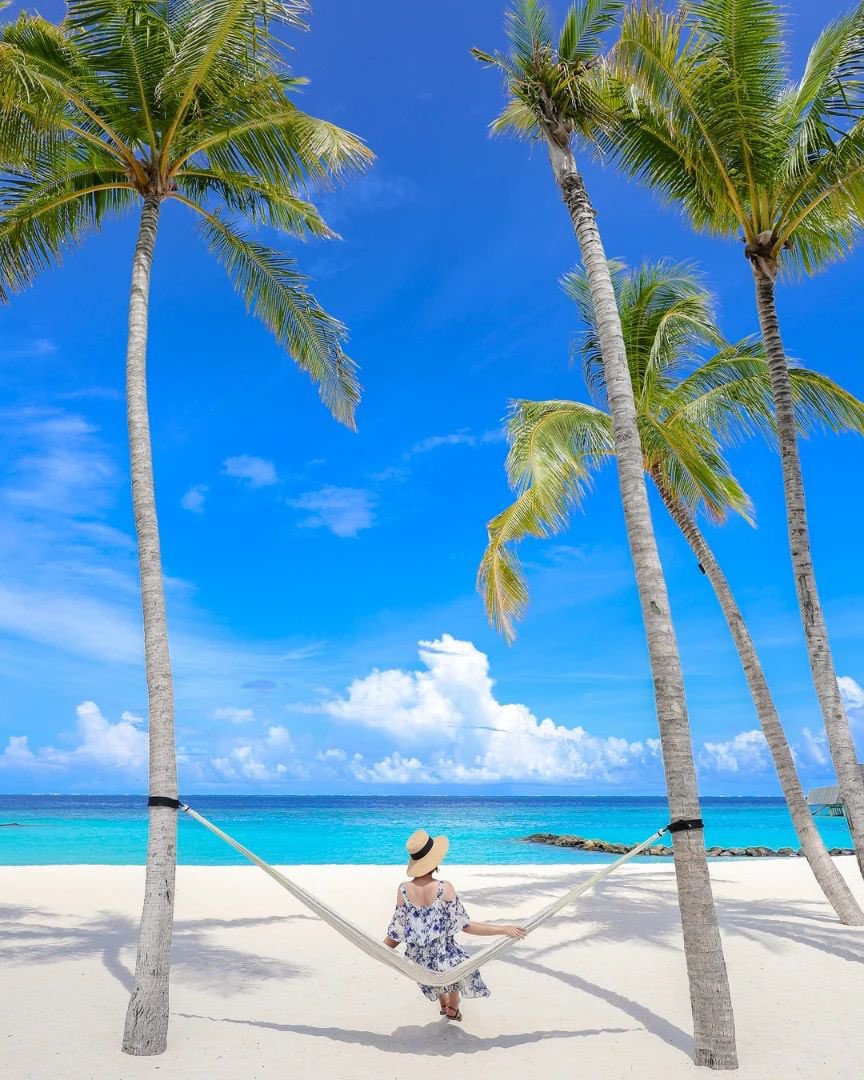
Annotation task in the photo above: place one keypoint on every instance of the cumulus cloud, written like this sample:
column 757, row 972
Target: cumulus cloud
column 852, row 693
column 256, row 759
column 344, row 511
column 17, row 754
column 393, row 769
column 257, row 471
column 194, row 499
column 469, row 736
column 747, row 752
column 121, row 745
column 241, row 763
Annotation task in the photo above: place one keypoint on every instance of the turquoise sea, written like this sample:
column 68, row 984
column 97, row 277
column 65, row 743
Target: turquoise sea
column 370, row 829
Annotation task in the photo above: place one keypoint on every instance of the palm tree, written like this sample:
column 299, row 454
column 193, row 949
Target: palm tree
column 714, row 124
column 554, row 87
column 687, row 410
column 130, row 103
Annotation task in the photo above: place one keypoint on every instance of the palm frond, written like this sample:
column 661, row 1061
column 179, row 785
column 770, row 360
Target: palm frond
column 584, row 28
column 557, row 87
column 259, row 201
column 277, row 293
column 41, row 218
column 822, row 404
column 220, row 38
column 554, row 447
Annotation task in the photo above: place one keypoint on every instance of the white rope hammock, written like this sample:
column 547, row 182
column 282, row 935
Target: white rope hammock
column 379, row 951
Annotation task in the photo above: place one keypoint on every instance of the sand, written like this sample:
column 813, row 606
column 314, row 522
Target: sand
column 262, row 989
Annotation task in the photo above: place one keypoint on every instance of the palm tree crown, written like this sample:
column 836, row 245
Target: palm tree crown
column 554, row 86
column 688, row 409
column 713, row 121
column 142, row 98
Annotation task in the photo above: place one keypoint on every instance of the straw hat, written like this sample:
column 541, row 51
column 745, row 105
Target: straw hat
column 424, row 852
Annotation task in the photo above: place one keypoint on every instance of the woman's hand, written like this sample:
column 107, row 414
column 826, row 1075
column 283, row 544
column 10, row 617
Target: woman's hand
column 513, row 932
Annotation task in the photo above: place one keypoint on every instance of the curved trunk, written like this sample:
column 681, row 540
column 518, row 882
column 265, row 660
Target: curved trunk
column 831, row 881
column 147, row 1015
column 713, row 1023
column 837, row 728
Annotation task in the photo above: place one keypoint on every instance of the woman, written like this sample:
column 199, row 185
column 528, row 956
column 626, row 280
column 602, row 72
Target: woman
column 428, row 915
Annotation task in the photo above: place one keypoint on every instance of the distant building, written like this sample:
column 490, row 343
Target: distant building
column 827, row 800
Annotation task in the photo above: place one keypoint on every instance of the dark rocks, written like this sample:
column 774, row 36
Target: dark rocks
column 605, row 847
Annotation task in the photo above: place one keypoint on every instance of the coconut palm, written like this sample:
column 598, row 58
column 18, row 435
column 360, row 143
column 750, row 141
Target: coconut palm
column 715, row 125
column 555, row 93
column 688, row 408
column 125, row 105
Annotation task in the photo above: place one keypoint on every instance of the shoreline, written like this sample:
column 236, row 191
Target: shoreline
column 256, row 974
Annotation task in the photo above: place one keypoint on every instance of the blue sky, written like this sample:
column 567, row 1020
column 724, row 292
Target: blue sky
column 305, row 563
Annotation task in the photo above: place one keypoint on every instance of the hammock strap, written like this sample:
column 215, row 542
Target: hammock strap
column 377, row 950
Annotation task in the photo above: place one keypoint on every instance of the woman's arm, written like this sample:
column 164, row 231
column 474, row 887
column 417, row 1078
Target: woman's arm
column 390, row 942
column 482, row 929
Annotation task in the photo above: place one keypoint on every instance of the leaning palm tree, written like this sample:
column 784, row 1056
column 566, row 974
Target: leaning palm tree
column 123, row 106
column 687, row 408
column 554, row 86
column 714, row 124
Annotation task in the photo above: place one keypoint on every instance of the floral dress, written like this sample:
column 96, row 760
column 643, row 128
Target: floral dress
column 428, row 933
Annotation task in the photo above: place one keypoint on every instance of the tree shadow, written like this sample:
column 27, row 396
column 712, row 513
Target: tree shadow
column 441, row 1039
column 645, row 908
column 664, row 1029
column 196, row 959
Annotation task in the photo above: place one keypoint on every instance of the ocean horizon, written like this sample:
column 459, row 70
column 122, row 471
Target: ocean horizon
column 371, row 829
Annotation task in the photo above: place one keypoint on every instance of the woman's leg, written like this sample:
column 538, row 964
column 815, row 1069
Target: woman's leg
column 453, row 1003
column 442, row 1001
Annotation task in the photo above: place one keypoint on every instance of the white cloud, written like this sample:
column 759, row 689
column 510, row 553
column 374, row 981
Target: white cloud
column 233, row 715
column 121, row 745
column 393, row 769
column 256, row 759
column 34, row 349
column 468, row 735
column 258, row 471
column 344, row 511
column 194, row 499
column 279, row 738
column 851, row 692
column 747, row 752
column 456, row 438
column 242, row 763
column 76, row 624
column 815, row 746
column 68, row 472
column 18, row 754
column 333, row 753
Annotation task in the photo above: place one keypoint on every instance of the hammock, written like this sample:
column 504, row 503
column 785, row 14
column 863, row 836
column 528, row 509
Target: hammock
column 376, row 949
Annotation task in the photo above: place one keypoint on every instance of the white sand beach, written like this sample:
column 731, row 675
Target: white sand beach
column 263, row 989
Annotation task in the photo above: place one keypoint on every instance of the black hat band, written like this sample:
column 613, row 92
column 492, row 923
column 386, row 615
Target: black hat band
column 427, row 847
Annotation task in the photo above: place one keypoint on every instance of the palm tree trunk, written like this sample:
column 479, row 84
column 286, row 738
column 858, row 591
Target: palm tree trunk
column 837, row 727
column 831, row 881
column 710, row 999
column 147, row 1015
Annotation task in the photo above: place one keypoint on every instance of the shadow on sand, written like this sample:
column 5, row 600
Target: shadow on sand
column 441, row 1039
column 201, row 962
column 624, row 910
